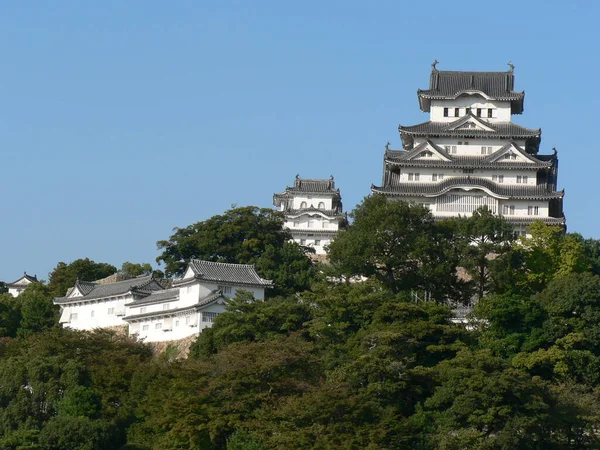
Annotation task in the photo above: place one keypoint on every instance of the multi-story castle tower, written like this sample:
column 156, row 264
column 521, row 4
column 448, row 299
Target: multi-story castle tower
column 469, row 154
column 313, row 211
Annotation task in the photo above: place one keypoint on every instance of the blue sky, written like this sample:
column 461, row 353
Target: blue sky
column 121, row 120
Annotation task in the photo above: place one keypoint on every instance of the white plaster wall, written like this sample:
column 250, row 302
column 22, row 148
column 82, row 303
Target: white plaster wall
column 473, row 148
column 174, row 328
column 313, row 200
column 95, row 314
column 521, row 207
column 312, row 222
column 309, row 241
column 189, row 294
column 502, row 113
column 426, row 175
column 16, row 291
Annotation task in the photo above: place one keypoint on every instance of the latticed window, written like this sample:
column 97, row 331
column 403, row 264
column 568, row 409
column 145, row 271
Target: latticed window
column 209, row 316
column 465, row 203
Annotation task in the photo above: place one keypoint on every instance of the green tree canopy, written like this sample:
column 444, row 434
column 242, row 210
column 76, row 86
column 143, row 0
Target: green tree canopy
column 481, row 237
column 244, row 235
column 65, row 275
column 131, row 270
column 397, row 242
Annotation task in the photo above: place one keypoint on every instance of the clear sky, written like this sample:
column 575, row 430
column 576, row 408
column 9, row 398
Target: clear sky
column 121, row 120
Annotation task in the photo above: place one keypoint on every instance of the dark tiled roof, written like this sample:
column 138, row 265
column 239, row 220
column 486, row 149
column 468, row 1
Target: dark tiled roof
column 445, row 84
column 326, row 212
column 157, row 297
column 314, row 185
column 436, row 189
column 25, row 277
column 529, row 220
column 403, row 158
column 211, row 298
column 227, row 273
column 508, row 130
column 141, row 285
column 308, row 186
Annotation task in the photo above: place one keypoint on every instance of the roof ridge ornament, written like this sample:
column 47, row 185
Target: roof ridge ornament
column 511, row 65
column 555, row 151
column 433, row 64
column 387, row 146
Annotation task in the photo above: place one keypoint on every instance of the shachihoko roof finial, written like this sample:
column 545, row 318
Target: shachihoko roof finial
column 555, row 151
column 512, row 66
column 387, row 146
column 435, row 63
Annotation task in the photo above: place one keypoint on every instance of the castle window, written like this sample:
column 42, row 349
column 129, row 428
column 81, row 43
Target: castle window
column 321, row 205
column 111, row 311
column 454, row 149
column 317, row 242
column 468, row 110
column 533, row 210
column 142, row 310
column 445, row 112
column 302, row 241
column 478, row 112
column 73, row 316
column 296, row 223
column 490, row 113
column 303, row 205
column 434, row 177
column 145, row 327
column 411, row 176
column 209, row 316
column 324, row 224
column 166, row 306
column 226, row 290
column 525, row 179
column 456, row 112
column 519, row 177
column 158, row 326
column 416, row 177
column 508, row 210
column 468, row 170
column 500, row 178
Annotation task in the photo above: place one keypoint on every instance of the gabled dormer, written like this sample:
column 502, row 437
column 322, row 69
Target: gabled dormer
column 427, row 151
column 469, row 122
column 511, row 153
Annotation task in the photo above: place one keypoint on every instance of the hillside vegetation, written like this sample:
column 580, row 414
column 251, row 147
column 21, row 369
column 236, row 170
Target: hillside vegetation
column 347, row 355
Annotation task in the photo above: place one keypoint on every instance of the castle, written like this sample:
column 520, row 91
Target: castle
column 468, row 154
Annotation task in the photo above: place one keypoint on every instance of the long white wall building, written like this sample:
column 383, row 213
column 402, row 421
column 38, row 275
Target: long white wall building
column 154, row 313
column 470, row 154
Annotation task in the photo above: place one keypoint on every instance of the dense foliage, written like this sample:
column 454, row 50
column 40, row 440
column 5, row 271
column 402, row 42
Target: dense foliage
column 366, row 356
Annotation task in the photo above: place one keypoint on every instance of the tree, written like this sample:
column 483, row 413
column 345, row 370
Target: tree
column 10, row 315
column 38, row 313
column 244, row 235
column 131, row 270
column 246, row 320
column 551, row 254
column 65, row 275
column 398, row 243
column 482, row 236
